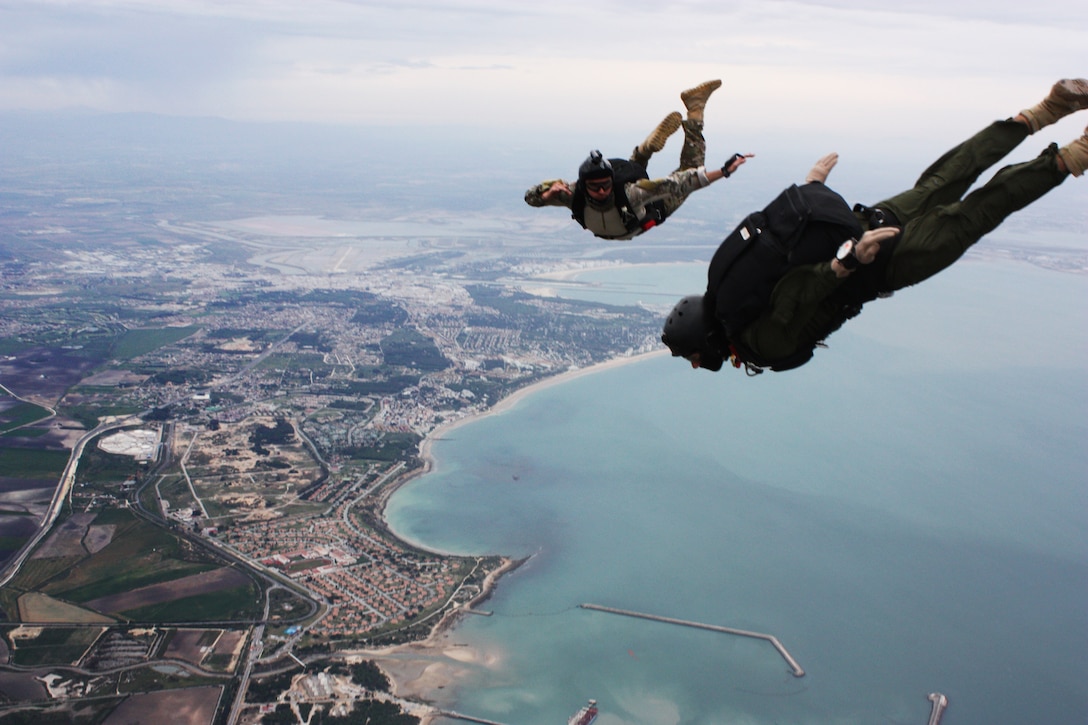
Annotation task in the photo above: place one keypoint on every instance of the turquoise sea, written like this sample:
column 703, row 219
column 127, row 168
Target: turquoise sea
column 907, row 514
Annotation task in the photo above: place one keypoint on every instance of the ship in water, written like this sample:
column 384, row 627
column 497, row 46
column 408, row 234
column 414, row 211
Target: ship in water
column 585, row 716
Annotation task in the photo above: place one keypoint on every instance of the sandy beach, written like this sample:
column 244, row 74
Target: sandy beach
column 511, row 400
column 551, row 284
column 570, row 273
column 420, row 669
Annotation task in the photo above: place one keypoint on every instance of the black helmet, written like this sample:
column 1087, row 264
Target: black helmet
column 596, row 166
column 689, row 330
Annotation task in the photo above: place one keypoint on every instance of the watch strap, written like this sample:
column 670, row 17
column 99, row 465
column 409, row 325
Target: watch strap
column 849, row 261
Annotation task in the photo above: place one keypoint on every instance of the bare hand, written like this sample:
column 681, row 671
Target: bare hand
column 738, row 162
column 735, row 162
column 556, row 188
column 822, row 168
column 869, row 244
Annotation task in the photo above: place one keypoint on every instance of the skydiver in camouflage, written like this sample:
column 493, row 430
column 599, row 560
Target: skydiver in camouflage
column 616, row 199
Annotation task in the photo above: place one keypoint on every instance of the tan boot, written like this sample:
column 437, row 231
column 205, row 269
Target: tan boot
column 656, row 140
column 1065, row 97
column 1075, row 154
column 695, row 98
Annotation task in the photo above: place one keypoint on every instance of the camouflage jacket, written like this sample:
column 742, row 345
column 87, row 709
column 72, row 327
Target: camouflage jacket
column 606, row 222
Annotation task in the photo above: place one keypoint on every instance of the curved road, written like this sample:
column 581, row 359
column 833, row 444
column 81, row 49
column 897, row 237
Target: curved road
column 64, row 487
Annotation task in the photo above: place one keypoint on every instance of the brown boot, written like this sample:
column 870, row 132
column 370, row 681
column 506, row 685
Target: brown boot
column 657, row 138
column 1075, row 154
column 1065, row 97
column 695, row 98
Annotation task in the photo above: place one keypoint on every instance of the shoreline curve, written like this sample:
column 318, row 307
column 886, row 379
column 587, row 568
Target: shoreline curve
column 416, row 669
column 426, row 445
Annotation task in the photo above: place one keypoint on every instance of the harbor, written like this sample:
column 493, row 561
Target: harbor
column 796, row 669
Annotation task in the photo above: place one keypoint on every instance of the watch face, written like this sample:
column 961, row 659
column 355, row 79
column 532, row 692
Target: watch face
column 844, row 250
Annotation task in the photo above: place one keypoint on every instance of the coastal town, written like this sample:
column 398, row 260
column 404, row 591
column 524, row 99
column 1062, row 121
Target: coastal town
column 258, row 412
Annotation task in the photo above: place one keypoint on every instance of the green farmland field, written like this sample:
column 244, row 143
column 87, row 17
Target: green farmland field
column 140, row 554
column 32, row 464
column 21, row 414
column 139, row 342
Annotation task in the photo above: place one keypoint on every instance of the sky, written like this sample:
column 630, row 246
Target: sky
column 827, row 65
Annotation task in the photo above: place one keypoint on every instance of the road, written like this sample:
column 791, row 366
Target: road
column 256, row 646
column 60, row 494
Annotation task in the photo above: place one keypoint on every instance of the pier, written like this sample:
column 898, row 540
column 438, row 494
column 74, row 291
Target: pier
column 467, row 718
column 940, row 702
column 797, row 671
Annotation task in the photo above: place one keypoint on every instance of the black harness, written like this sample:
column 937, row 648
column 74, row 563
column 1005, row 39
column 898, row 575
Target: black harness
column 623, row 173
column 803, row 225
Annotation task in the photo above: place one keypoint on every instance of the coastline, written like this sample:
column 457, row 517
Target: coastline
column 510, row 401
column 416, row 670
column 571, row 273
column 552, row 283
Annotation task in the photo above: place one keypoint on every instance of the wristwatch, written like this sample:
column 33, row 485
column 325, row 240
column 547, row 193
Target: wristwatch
column 846, row 256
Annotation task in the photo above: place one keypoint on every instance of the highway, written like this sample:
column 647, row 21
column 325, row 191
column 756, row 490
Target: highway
column 256, row 646
column 60, row 494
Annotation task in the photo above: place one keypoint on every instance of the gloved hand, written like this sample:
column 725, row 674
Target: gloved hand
column 734, row 163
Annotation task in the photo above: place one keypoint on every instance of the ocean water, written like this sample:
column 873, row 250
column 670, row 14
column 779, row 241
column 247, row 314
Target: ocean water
column 907, row 514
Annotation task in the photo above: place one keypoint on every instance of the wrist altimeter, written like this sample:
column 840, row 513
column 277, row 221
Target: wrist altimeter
column 725, row 167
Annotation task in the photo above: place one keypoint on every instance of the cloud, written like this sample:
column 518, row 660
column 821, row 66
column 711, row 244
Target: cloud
column 830, row 64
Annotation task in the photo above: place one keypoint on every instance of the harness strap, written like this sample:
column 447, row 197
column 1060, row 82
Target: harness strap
column 750, row 369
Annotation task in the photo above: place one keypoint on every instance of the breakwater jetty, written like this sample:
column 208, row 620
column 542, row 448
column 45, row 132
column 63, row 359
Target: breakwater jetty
column 467, row 718
column 795, row 668
column 940, row 702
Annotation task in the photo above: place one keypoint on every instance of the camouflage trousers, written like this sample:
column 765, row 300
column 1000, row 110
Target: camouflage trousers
column 692, row 154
